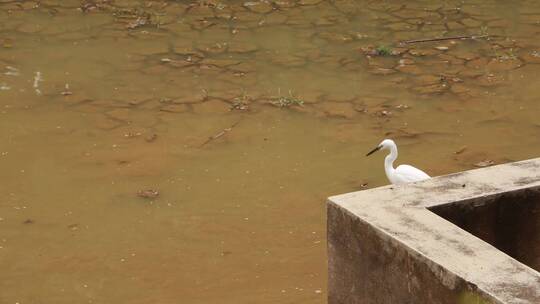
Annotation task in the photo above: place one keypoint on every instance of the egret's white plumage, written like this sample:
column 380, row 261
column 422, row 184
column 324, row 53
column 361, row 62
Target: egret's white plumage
column 403, row 173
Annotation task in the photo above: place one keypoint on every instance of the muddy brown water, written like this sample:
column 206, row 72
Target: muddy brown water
column 244, row 116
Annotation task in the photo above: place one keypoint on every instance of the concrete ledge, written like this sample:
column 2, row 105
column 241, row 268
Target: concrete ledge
column 394, row 244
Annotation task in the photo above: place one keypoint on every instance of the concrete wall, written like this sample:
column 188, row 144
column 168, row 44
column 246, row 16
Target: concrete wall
column 367, row 266
column 389, row 245
column 510, row 222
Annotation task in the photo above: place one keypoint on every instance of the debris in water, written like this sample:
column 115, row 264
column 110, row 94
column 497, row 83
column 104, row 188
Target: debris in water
column 239, row 105
column 484, row 163
column 221, row 133
column 7, row 44
column 384, row 113
column 66, row 91
column 461, row 150
column 37, row 80
column 441, row 48
column 140, row 21
column 152, row 137
column 131, row 134
column 402, row 106
column 148, row 193
column 12, row 71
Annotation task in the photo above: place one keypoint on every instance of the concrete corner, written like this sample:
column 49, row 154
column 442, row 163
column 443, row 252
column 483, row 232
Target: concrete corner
column 470, row 237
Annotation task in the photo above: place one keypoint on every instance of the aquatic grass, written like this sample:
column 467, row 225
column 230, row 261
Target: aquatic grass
column 383, row 50
column 509, row 54
column 284, row 101
column 484, row 31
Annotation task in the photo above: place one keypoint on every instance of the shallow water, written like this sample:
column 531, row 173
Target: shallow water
column 199, row 101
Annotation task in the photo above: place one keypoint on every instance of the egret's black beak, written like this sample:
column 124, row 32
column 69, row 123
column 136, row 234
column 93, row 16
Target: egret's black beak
column 374, row 150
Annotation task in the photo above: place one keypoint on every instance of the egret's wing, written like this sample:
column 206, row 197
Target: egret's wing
column 408, row 173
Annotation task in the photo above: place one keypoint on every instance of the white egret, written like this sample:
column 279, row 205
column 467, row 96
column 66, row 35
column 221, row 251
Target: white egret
column 403, row 173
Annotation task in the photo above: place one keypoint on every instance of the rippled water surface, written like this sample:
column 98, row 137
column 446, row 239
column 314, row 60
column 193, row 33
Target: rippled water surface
column 244, row 116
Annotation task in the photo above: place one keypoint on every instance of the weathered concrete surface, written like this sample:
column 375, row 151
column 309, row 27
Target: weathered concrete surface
column 510, row 222
column 385, row 245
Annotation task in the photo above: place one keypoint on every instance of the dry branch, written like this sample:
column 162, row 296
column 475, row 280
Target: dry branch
column 443, row 38
column 219, row 134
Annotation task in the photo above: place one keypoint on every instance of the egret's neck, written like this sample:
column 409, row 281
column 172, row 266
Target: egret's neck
column 389, row 161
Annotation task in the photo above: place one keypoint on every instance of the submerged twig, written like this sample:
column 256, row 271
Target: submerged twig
column 444, row 38
column 219, row 134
